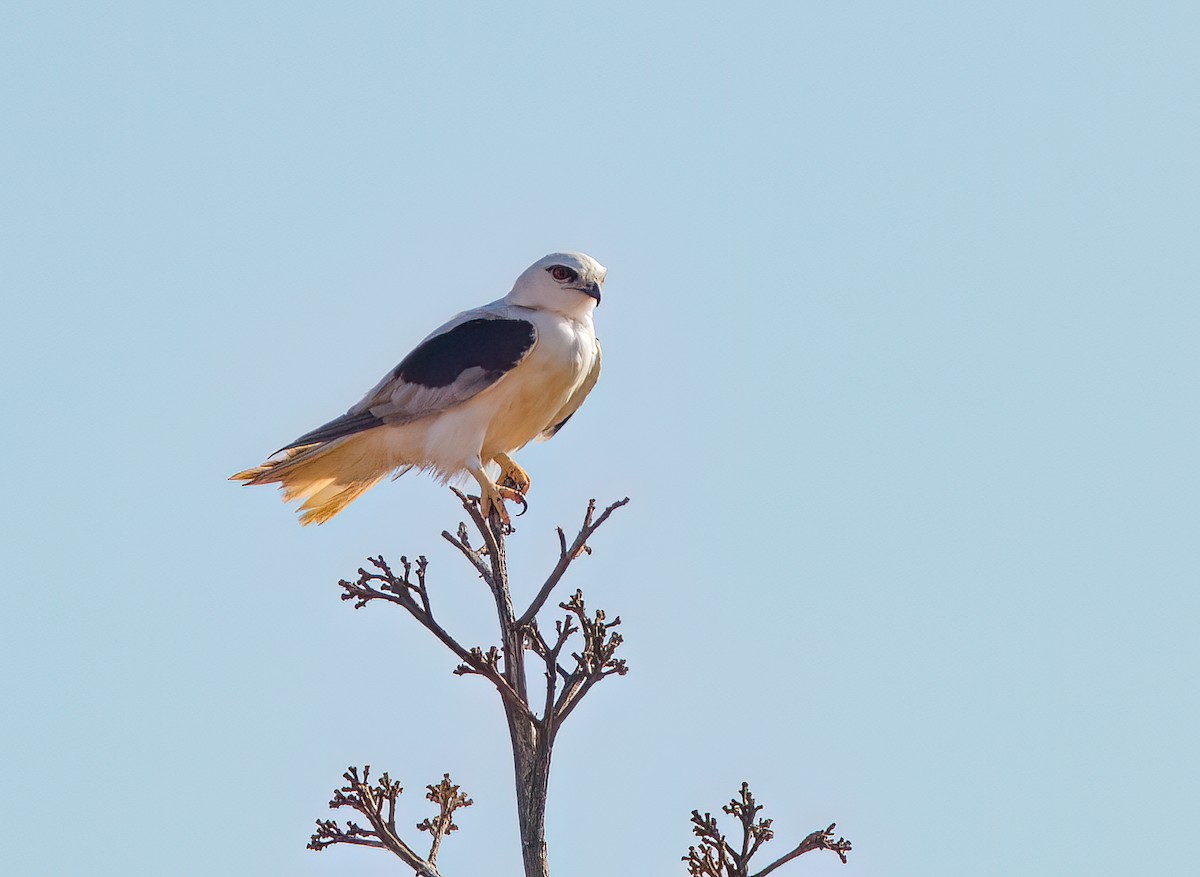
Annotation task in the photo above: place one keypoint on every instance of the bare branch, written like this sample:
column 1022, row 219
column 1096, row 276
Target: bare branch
column 567, row 555
column 448, row 798
column 471, row 505
column 371, row 801
column 401, row 590
column 362, row 592
column 489, row 660
column 549, row 655
column 754, row 834
column 460, row 542
column 714, row 857
column 818, row 840
column 596, row 659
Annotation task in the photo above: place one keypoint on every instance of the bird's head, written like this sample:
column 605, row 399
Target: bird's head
column 569, row 283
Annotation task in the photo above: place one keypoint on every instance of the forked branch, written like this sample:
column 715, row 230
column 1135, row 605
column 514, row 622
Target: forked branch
column 714, row 856
column 377, row 802
column 405, row 590
column 592, row 663
column 449, row 798
column 567, row 554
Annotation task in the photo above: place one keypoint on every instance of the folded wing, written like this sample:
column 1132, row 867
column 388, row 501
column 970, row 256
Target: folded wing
column 576, row 399
column 460, row 360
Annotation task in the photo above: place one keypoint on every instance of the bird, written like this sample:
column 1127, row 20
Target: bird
column 477, row 389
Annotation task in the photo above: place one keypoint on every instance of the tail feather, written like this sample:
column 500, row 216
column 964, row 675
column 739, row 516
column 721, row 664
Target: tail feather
column 328, row 476
column 268, row 472
column 324, row 505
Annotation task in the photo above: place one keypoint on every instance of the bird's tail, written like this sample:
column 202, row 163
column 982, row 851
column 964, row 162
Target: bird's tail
column 328, row 476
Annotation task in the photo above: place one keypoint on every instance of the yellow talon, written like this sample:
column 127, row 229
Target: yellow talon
column 492, row 502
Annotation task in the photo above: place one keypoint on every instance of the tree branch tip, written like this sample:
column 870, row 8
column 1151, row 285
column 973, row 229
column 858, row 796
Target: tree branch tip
column 714, row 856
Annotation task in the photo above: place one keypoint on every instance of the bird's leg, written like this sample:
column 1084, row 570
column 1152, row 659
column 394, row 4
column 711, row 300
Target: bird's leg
column 512, row 475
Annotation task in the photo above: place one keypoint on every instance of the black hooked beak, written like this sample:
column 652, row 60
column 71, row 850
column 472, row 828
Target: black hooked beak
column 593, row 291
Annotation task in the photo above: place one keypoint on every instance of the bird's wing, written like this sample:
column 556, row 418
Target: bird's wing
column 564, row 413
column 462, row 358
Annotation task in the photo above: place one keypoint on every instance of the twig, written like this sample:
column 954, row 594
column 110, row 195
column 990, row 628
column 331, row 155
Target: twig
column 818, row 840
column 714, row 857
column 566, row 555
column 448, row 798
column 484, row 526
column 596, row 659
column 372, row 801
column 400, row 590
column 460, row 542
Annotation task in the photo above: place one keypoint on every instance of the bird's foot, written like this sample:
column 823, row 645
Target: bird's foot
column 491, row 505
column 512, row 475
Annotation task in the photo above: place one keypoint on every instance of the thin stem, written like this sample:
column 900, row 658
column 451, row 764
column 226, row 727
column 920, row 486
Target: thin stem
column 568, row 555
column 818, row 840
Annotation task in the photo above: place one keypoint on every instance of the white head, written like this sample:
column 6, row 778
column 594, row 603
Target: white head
column 569, row 283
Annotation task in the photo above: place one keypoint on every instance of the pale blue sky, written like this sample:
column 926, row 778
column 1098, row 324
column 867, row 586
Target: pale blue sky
column 900, row 373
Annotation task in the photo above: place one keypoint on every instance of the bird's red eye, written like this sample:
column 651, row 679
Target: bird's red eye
column 562, row 273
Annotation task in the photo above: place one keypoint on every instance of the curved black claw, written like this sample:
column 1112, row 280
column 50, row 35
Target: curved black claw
column 524, row 505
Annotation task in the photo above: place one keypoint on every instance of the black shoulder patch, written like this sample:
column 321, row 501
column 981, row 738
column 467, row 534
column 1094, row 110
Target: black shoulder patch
column 492, row 345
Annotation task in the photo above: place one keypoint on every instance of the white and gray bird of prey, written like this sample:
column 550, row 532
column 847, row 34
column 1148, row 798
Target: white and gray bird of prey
column 482, row 386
